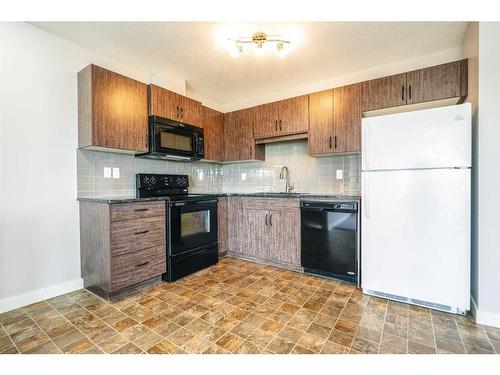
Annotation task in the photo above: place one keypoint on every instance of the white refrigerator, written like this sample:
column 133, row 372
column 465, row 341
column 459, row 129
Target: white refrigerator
column 416, row 207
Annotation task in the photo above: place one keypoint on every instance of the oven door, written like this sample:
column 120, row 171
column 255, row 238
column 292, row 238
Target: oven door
column 174, row 141
column 192, row 225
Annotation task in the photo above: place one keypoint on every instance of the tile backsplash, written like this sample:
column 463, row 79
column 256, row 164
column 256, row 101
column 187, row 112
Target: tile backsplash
column 308, row 174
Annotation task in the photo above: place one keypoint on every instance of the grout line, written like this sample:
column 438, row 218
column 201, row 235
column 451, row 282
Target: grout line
column 10, row 338
column 50, row 338
column 383, row 327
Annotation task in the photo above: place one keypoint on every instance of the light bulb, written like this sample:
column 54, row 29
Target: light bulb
column 282, row 51
column 235, row 49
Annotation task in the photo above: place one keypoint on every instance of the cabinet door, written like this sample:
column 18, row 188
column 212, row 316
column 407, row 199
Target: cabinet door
column 235, row 226
column 383, row 92
column 347, row 119
column 285, row 237
column 321, row 122
column 294, row 115
column 239, row 143
column 256, row 241
column 118, row 113
column 191, row 111
column 164, row 103
column 222, row 211
column 434, row 83
column 266, row 121
column 213, row 131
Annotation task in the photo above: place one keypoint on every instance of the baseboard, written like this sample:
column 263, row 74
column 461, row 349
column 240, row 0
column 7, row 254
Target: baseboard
column 484, row 317
column 38, row 295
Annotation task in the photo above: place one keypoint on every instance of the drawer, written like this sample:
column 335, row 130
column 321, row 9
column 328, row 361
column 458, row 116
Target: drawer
column 132, row 268
column 140, row 210
column 133, row 235
column 271, row 203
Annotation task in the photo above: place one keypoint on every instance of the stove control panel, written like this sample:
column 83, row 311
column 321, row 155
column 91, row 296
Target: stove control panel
column 161, row 181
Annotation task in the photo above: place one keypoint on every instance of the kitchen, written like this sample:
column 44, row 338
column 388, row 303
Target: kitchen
column 273, row 225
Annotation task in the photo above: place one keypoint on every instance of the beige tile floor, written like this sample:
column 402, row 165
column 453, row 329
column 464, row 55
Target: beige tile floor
column 240, row 307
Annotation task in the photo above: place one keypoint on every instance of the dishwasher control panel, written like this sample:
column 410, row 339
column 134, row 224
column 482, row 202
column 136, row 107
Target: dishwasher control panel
column 348, row 206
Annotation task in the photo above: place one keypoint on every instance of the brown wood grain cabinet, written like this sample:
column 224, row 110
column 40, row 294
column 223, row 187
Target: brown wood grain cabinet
column 435, row 83
column 440, row 82
column 321, row 126
column 112, row 111
column 168, row 104
column 347, row 119
column 335, row 121
column 122, row 246
column 383, row 92
column 265, row 229
column 285, row 117
column 213, row 131
column 239, row 143
column 222, row 224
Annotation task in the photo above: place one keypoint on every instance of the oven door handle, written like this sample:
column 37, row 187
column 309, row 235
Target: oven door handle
column 178, row 204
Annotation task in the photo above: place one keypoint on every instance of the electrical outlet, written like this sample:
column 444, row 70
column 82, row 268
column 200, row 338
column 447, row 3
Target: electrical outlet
column 107, row 172
column 116, row 172
column 339, row 174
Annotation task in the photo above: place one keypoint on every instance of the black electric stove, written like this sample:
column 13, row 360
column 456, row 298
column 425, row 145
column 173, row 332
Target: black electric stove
column 191, row 223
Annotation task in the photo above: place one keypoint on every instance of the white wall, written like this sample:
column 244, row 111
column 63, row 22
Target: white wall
column 39, row 235
column 489, row 174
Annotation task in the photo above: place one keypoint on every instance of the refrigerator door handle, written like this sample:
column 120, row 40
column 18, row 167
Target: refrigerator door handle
column 366, row 198
column 364, row 147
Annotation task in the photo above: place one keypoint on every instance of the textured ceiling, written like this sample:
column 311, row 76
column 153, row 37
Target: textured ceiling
column 197, row 51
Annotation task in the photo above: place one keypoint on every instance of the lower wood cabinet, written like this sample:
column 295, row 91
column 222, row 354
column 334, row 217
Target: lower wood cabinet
column 264, row 229
column 122, row 246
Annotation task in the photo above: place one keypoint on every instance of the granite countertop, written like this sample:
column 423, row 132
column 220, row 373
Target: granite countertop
column 112, row 200
column 132, row 199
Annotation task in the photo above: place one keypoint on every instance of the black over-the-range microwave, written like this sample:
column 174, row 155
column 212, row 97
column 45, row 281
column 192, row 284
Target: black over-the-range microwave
column 172, row 140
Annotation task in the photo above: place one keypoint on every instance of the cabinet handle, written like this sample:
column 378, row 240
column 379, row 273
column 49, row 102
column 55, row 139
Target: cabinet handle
column 409, row 92
column 330, row 142
column 146, row 140
column 177, row 111
column 276, row 125
column 142, row 264
column 141, row 209
column 271, row 219
column 402, row 93
column 143, row 232
column 182, row 113
column 281, row 122
column 335, row 141
column 266, row 218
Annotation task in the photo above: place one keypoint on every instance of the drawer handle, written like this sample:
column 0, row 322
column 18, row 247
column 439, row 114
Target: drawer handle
column 143, row 232
column 142, row 264
column 141, row 209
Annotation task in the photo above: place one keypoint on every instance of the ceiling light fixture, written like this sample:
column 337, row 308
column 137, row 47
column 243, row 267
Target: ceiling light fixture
column 260, row 42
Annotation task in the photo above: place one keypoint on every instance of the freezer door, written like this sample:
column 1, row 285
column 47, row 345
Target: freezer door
column 431, row 138
column 415, row 235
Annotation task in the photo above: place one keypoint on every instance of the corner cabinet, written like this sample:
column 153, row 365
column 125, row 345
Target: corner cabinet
column 239, row 143
column 168, row 104
column 335, row 121
column 112, row 111
column 441, row 82
column 213, row 131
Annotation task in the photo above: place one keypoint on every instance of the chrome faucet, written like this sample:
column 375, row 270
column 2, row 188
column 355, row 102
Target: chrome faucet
column 288, row 186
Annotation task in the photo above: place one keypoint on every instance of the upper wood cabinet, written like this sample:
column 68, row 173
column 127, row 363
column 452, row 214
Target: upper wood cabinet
column 239, row 143
column 168, row 104
column 112, row 111
column 285, row 117
column 445, row 81
column 383, row 92
column 347, row 119
column 437, row 82
column 335, row 121
column 213, row 129
column 321, row 122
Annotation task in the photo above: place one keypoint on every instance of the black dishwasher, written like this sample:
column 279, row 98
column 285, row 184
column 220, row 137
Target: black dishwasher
column 329, row 239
